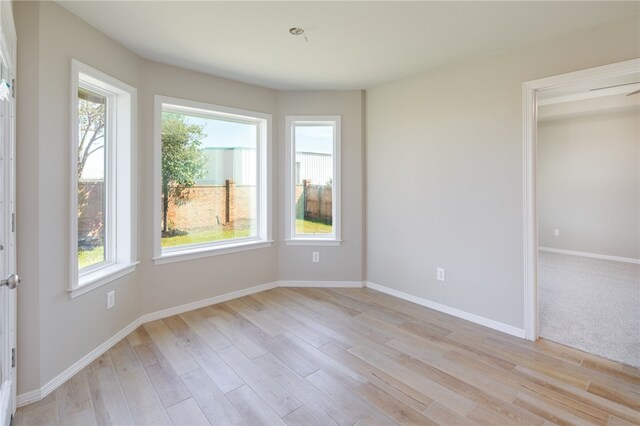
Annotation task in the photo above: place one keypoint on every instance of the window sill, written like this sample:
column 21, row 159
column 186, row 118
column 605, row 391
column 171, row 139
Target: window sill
column 312, row 242
column 100, row 277
column 198, row 253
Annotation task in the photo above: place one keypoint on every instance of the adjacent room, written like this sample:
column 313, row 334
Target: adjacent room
column 589, row 217
column 304, row 213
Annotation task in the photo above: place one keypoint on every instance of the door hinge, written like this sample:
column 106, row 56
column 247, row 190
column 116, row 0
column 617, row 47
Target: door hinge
column 13, row 222
column 13, row 357
column 13, row 88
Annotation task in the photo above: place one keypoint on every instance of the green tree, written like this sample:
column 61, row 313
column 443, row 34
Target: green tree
column 182, row 160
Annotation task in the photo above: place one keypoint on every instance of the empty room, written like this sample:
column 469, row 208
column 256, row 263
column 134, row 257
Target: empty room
column 319, row 212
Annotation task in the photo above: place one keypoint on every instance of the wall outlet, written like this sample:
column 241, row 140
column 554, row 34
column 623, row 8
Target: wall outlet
column 111, row 299
column 556, row 232
column 440, row 274
column 315, row 257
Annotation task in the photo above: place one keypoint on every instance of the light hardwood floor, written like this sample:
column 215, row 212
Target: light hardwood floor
column 338, row 356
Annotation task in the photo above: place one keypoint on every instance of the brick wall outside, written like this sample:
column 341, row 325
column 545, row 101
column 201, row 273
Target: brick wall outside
column 90, row 212
column 207, row 206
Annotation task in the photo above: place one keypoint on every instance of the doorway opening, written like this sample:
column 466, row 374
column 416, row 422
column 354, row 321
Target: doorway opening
column 582, row 210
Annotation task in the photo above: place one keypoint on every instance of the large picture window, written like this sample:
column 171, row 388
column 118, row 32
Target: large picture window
column 102, row 140
column 211, row 179
column 313, row 183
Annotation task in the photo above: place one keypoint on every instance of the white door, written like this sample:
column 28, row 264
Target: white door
column 8, row 277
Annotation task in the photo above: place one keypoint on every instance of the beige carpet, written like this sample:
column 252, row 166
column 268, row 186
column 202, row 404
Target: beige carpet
column 591, row 304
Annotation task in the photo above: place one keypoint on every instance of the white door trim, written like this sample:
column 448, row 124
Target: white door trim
column 8, row 255
column 530, row 219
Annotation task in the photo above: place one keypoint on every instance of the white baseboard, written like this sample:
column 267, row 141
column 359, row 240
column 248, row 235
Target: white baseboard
column 322, row 284
column 206, row 302
column 496, row 325
column 51, row 385
column 592, row 255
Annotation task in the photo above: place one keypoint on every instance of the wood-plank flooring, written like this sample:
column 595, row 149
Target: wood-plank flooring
column 336, row 356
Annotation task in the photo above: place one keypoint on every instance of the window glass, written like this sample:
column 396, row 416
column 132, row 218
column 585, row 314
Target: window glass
column 313, row 175
column 102, row 191
column 209, row 178
column 92, row 171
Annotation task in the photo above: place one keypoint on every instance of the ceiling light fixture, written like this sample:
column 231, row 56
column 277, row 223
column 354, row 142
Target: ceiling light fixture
column 296, row 31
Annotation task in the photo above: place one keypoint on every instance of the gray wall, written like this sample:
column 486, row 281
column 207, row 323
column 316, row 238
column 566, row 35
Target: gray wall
column 589, row 183
column 173, row 284
column 452, row 140
column 343, row 263
column 28, row 202
column 55, row 331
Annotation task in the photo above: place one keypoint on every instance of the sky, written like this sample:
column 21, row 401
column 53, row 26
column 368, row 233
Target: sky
column 225, row 134
column 315, row 139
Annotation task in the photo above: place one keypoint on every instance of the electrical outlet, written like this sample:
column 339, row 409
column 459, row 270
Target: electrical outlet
column 440, row 274
column 315, row 257
column 556, row 232
column 111, row 299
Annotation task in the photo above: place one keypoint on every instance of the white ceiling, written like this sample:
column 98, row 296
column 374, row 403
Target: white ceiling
column 352, row 45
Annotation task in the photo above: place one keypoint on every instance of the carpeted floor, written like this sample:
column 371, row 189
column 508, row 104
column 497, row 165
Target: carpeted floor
column 591, row 304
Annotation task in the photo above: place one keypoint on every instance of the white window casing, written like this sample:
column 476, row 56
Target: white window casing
column 297, row 161
column 119, row 185
column 262, row 237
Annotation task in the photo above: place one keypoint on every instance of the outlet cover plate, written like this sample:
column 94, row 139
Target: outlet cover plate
column 111, row 299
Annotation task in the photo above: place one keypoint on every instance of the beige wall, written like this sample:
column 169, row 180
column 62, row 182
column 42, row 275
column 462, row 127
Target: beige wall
column 589, row 183
column 452, row 138
column 28, row 202
column 343, row 263
column 55, row 331
column 173, row 284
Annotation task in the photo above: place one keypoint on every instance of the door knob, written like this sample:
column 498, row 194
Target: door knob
column 12, row 281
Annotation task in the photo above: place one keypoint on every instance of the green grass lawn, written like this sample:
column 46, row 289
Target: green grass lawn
column 96, row 255
column 90, row 257
column 308, row 227
column 204, row 236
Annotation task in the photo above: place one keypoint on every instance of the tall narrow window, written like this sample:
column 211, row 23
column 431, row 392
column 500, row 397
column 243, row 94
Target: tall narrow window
column 211, row 177
column 102, row 137
column 93, row 148
column 313, row 184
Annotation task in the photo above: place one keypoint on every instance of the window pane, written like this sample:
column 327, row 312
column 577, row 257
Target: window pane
column 313, row 179
column 92, row 118
column 209, row 176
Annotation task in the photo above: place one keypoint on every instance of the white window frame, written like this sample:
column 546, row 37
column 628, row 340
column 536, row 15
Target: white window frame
column 263, row 173
column 120, row 182
column 291, row 237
